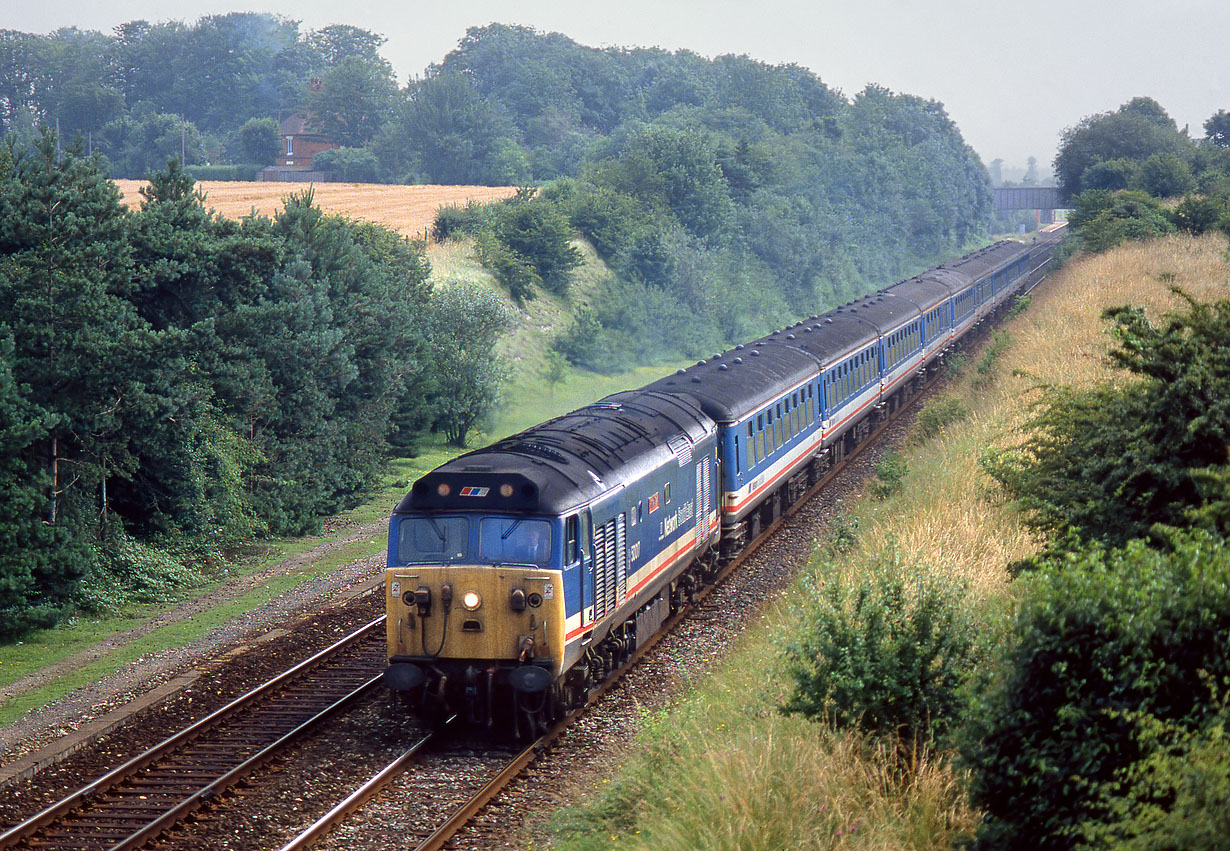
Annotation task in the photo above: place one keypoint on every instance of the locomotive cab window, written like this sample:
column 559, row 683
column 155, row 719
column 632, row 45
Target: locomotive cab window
column 431, row 539
column 513, row 539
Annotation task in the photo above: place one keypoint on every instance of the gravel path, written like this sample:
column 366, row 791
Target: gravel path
column 76, row 710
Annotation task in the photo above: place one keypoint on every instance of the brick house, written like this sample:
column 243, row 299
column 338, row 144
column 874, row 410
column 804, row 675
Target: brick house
column 301, row 143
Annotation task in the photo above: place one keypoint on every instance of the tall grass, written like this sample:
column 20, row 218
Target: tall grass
column 724, row 769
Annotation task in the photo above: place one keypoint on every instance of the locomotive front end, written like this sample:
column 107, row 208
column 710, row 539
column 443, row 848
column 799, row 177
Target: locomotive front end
column 475, row 600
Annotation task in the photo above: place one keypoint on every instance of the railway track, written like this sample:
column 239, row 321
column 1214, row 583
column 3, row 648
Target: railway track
column 426, row 782
column 149, row 794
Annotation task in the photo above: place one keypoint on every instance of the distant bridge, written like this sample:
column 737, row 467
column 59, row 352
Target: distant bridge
column 1028, row 198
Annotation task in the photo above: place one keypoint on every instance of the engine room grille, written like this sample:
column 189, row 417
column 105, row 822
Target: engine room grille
column 610, row 565
column 703, row 500
column 682, row 447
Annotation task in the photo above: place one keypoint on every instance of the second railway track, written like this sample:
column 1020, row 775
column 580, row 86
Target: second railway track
column 136, row 802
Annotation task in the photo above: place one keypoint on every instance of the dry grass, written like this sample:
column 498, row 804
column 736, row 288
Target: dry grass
column 409, row 210
column 724, row 770
column 949, row 516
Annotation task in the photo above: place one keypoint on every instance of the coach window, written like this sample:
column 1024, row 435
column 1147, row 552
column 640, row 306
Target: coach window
column 750, row 449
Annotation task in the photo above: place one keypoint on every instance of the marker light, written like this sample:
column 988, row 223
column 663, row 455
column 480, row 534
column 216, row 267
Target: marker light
column 471, row 600
column 443, row 489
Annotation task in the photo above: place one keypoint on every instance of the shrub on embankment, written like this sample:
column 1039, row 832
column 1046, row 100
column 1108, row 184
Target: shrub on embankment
column 1117, row 657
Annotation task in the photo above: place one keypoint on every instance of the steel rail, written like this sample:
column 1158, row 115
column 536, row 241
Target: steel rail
column 148, row 758
column 357, row 798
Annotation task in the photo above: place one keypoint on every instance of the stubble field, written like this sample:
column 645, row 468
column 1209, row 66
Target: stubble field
column 409, row 210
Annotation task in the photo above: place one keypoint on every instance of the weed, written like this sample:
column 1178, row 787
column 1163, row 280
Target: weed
column 1019, row 306
column 1000, row 341
column 890, row 475
column 955, row 364
column 935, row 417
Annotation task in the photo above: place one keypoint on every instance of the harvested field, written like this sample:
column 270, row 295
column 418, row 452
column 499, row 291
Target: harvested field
column 409, row 210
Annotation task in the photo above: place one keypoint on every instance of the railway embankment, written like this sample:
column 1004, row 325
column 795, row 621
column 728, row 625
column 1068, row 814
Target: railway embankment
column 726, row 766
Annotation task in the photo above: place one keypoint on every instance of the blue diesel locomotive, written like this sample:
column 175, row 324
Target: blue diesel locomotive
column 521, row 574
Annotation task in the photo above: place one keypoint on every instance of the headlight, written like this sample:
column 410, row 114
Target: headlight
column 471, row 600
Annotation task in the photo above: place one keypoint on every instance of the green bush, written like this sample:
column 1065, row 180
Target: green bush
column 1110, row 462
column 1101, row 636
column 1106, row 219
column 887, row 652
column 539, row 234
column 1020, row 304
column 512, row 270
column 955, row 364
column 455, row 221
column 243, row 171
column 890, row 473
column 1196, row 215
column 127, row 570
column 350, row 165
column 938, row 414
column 1175, row 799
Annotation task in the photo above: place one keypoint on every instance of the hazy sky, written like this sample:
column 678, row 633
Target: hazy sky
column 1011, row 74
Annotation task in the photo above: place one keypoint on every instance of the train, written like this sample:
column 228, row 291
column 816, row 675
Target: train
column 521, row 574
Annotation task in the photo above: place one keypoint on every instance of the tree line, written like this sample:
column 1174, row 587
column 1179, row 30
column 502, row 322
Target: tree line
column 173, row 382
column 1131, row 173
column 727, row 197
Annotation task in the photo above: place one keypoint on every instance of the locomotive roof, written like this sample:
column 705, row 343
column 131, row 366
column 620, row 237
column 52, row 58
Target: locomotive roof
column 568, row 461
column 735, row 383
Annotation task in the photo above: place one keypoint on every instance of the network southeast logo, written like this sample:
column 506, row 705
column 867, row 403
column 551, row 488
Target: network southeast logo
column 474, row 491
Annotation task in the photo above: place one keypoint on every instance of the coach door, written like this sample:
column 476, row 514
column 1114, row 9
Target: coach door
column 587, row 568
